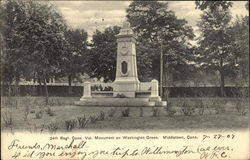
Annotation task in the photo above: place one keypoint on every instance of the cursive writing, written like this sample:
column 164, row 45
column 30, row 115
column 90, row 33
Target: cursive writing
column 80, row 149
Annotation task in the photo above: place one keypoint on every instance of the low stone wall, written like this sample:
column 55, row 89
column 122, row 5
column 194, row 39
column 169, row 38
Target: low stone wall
column 145, row 86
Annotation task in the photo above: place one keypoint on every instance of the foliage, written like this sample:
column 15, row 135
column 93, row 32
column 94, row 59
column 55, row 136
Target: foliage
column 141, row 111
column 26, row 112
column 152, row 22
column 39, row 114
column 213, row 43
column 156, row 112
column 239, row 95
column 120, row 96
column 74, row 60
column 34, row 30
column 82, row 121
column 219, row 106
column 100, row 88
column 70, row 124
column 12, row 17
column 125, row 112
column 102, row 56
column 170, row 110
column 201, row 106
column 93, row 119
column 239, row 35
column 7, row 119
column 101, row 116
column 32, row 111
column 213, row 5
column 49, row 111
column 112, row 112
column 241, row 108
column 187, row 109
column 52, row 127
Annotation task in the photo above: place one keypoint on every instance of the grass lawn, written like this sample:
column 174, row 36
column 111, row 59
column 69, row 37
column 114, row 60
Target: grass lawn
column 64, row 110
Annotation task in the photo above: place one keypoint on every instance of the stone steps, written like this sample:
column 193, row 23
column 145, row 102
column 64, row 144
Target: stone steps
column 121, row 102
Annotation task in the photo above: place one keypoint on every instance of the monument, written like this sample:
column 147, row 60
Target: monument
column 126, row 90
column 126, row 81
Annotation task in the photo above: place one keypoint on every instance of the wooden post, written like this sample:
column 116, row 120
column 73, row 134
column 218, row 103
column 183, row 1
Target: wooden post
column 161, row 70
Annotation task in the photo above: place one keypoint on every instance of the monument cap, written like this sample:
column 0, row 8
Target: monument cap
column 126, row 25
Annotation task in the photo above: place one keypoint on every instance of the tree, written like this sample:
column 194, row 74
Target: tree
column 75, row 57
column 239, row 46
column 102, row 56
column 214, row 40
column 212, row 5
column 12, row 65
column 33, row 38
column 154, row 24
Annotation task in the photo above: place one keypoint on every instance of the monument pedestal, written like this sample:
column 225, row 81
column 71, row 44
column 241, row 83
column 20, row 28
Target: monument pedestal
column 126, row 88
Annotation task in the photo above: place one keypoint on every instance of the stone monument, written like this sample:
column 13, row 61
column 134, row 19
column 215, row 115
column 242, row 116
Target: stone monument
column 126, row 81
column 126, row 90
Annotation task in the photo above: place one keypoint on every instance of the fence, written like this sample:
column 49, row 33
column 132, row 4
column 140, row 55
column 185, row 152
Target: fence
column 77, row 91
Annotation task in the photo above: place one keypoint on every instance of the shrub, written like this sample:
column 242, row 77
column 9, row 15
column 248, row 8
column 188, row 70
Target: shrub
column 93, row 119
column 42, row 127
column 111, row 112
column 170, row 110
column 125, row 112
column 101, row 116
column 141, row 111
column 52, row 127
column 49, row 111
column 82, row 121
column 26, row 112
column 8, row 119
column 179, row 102
column 241, row 93
column 201, row 106
column 187, row 109
column 156, row 112
column 240, row 108
column 120, row 95
column 70, row 124
column 39, row 114
column 25, row 115
column 32, row 127
column 51, row 102
column 219, row 108
column 32, row 111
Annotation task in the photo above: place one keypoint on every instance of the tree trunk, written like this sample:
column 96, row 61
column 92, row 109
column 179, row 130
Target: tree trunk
column 167, row 79
column 46, row 91
column 70, row 87
column 16, row 86
column 222, row 80
column 16, row 91
column 222, row 84
column 9, row 89
column 40, row 86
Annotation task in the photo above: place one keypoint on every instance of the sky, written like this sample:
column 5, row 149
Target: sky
column 92, row 15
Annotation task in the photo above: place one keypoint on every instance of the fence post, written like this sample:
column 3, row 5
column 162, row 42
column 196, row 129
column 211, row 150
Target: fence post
column 86, row 90
column 154, row 88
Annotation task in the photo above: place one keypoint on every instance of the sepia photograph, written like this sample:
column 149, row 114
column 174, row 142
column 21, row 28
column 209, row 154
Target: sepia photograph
column 74, row 67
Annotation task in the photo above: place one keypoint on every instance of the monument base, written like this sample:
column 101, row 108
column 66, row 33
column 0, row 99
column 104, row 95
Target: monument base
column 121, row 102
column 126, row 87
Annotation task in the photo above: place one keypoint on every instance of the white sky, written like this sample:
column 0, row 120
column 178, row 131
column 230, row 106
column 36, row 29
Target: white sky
column 92, row 15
